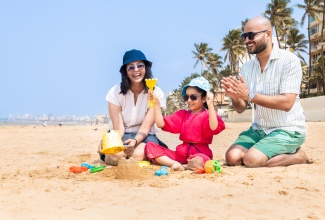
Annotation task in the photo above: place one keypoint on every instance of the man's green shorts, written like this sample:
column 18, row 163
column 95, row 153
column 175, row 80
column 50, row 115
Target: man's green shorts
column 273, row 144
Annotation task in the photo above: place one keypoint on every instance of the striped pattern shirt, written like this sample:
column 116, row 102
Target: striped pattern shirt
column 282, row 74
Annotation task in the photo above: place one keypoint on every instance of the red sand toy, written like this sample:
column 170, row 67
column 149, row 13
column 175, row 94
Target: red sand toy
column 75, row 169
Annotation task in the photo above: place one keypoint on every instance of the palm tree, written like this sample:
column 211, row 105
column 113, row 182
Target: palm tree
column 311, row 8
column 277, row 11
column 173, row 102
column 317, row 76
column 322, row 40
column 243, row 23
column 225, row 72
column 235, row 48
column 213, row 80
column 214, row 62
column 297, row 42
column 284, row 27
column 202, row 50
column 304, row 81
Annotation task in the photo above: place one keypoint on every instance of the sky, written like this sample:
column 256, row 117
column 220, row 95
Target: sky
column 61, row 57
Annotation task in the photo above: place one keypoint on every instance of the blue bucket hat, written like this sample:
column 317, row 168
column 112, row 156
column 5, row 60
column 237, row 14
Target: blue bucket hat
column 200, row 82
column 133, row 55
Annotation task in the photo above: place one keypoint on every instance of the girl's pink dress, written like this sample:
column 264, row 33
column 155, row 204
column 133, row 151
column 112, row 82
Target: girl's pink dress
column 194, row 131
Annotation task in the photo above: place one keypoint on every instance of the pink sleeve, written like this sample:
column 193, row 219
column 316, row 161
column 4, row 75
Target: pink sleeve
column 208, row 131
column 173, row 123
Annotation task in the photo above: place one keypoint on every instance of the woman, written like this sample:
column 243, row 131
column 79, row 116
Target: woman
column 128, row 107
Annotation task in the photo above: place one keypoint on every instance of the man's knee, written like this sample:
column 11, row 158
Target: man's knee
column 254, row 161
column 233, row 159
column 234, row 155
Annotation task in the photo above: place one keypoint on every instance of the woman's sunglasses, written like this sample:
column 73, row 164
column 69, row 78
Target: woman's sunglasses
column 251, row 35
column 193, row 97
column 132, row 68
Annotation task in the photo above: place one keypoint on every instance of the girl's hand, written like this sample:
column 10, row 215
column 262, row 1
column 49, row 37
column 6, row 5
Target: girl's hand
column 209, row 98
column 152, row 95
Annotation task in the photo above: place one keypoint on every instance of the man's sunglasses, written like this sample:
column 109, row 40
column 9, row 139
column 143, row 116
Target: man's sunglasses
column 193, row 97
column 132, row 68
column 250, row 35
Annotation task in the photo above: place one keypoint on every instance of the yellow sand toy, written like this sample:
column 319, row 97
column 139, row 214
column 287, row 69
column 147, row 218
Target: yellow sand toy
column 112, row 143
column 151, row 83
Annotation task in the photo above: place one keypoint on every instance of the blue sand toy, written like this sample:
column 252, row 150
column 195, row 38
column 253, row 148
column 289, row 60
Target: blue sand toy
column 162, row 171
column 87, row 165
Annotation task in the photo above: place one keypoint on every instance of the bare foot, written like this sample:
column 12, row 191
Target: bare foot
column 177, row 167
column 303, row 157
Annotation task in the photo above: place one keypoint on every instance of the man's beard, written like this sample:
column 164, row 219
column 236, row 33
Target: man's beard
column 258, row 49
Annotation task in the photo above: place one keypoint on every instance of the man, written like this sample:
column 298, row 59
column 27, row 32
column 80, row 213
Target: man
column 271, row 83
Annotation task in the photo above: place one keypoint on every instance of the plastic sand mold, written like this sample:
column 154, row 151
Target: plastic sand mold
column 151, row 83
column 87, row 165
column 97, row 169
column 162, row 171
column 75, row 169
column 143, row 163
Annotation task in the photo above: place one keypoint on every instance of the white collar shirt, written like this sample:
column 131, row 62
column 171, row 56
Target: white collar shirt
column 282, row 74
column 134, row 114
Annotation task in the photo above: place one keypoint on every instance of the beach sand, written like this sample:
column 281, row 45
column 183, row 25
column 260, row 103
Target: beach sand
column 36, row 182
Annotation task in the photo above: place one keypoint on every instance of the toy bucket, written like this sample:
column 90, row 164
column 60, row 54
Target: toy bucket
column 212, row 166
column 112, row 143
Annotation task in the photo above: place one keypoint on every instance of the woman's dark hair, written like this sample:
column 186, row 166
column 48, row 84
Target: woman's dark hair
column 203, row 94
column 126, row 82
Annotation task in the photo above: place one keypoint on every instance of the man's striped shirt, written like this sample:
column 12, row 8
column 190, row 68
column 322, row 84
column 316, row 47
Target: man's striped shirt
column 282, row 74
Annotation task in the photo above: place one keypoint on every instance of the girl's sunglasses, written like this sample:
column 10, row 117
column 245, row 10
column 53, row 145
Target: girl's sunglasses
column 193, row 97
column 132, row 68
column 251, row 35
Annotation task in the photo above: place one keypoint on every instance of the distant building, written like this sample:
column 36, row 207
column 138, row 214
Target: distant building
column 102, row 118
column 317, row 45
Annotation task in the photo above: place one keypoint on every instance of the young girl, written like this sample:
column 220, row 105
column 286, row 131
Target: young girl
column 196, row 126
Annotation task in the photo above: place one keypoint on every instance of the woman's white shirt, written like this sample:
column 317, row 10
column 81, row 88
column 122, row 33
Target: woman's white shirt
column 134, row 114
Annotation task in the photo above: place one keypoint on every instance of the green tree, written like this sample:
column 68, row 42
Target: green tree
column 297, row 42
column 214, row 62
column 243, row 23
column 317, row 76
column 283, row 29
column 304, row 81
column 213, row 80
column 311, row 8
column 234, row 47
column 201, row 52
column 322, row 49
column 278, row 13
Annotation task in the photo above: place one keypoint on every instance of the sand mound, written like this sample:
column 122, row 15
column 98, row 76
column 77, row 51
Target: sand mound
column 128, row 169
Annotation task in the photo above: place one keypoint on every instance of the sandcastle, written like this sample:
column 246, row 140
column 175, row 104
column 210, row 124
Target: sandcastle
column 129, row 169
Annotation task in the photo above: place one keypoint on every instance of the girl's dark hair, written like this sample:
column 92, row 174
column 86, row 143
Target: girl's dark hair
column 126, row 82
column 203, row 94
